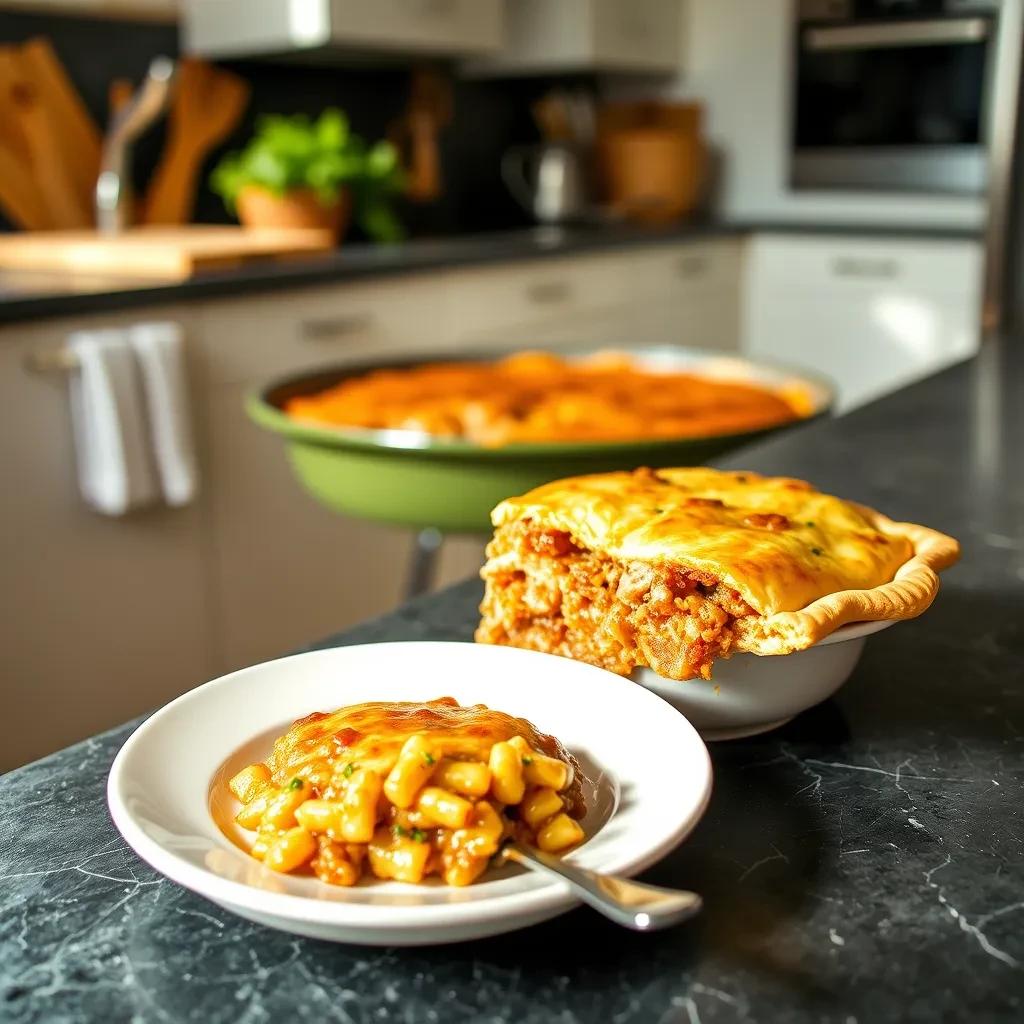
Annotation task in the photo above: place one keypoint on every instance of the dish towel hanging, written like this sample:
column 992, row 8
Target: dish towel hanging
column 160, row 351
column 115, row 472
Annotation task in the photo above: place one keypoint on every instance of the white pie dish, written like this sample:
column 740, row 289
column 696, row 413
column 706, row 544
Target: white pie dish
column 651, row 771
column 750, row 694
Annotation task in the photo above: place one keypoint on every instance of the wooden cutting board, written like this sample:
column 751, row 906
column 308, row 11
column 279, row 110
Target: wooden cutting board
column 164, row 253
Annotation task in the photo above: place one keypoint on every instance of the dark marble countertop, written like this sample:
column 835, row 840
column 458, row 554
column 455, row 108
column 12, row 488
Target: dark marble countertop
column 865, row 863
column 28, row 296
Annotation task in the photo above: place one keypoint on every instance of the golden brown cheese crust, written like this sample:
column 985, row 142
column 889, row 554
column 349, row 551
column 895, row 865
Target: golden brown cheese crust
column 716, row 522
column 371, row 735
column 806, row 562
column 533, row 397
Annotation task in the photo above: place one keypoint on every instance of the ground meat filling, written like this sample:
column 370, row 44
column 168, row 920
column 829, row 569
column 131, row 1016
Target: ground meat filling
column 546, row 593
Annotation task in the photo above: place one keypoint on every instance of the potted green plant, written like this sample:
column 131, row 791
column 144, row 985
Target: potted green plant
column 298, row 172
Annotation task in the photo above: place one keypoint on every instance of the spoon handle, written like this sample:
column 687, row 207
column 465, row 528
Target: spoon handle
column 638, row 906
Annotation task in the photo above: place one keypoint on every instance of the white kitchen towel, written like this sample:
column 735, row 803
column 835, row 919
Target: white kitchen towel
column 160, row 350
column 115, row 472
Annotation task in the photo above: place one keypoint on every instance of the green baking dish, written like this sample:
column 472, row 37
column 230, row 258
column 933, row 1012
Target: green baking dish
column 413, row 479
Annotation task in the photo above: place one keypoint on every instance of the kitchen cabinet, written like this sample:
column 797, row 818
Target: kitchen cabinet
column 872, row 314
column 682, row 295
column 673, row 294
column 251, row 28
column 284, row 569
column 102, row 618
column 545, row 37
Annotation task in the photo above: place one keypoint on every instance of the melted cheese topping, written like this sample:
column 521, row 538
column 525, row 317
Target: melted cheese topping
column 372, row 734
column 535, row 397
column 777, row 541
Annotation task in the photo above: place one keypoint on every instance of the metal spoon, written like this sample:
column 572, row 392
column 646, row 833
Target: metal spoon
column 644, row 908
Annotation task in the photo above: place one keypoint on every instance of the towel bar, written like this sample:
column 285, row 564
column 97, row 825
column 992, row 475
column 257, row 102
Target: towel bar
column 48, row 361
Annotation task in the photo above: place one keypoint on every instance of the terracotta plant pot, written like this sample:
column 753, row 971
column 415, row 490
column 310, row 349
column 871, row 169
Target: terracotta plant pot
column 260, row 208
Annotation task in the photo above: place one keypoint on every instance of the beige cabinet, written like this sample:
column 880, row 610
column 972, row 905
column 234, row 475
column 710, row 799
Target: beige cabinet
column 101, row 618
column 681, row 293
column 513, row 304
column 687, row 295
column 285, row 571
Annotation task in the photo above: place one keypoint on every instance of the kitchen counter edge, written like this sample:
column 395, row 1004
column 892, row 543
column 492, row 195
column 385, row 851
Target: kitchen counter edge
column 37, row 296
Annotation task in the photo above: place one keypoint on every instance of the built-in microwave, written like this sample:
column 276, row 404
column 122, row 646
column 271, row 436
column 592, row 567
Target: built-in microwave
column 893, row 94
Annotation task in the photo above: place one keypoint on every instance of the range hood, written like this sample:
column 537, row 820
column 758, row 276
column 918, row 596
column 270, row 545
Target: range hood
column 325, row 30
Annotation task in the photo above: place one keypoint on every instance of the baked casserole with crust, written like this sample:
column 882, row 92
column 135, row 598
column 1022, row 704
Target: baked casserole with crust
column 535, row 397
column 674, row 568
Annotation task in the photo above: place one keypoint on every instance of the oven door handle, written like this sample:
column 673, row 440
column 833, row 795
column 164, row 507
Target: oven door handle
column 930, row 32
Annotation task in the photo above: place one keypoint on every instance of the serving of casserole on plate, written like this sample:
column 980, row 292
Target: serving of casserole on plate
column 665, row 573
column 250, row 792
column 408, row 789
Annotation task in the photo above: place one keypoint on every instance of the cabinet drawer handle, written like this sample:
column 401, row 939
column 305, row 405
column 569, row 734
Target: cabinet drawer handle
column 693, row 266
column 544, row 293
column 430, row 8
column 852, row 266
column 333, row 327
column 51, row 361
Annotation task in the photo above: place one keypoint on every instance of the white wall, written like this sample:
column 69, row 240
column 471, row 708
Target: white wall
column 739, row 63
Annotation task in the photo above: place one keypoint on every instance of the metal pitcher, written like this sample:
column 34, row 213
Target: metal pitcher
column 549, row 180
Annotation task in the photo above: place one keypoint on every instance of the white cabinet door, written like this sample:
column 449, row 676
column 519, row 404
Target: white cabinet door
column 225, row 28
column 102, row 618
column 637, row 35
column 550, row 36
column 287, row 571
column 871, row 314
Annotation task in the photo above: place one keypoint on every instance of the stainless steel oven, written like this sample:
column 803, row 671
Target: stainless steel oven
column 893, row 94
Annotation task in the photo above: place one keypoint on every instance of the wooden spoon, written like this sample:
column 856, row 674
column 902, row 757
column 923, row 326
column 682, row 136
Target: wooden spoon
column 208, row 103
column 415, row 134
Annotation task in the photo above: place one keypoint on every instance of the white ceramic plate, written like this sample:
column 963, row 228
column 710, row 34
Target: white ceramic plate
column 748, row 694
column 650, row 769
